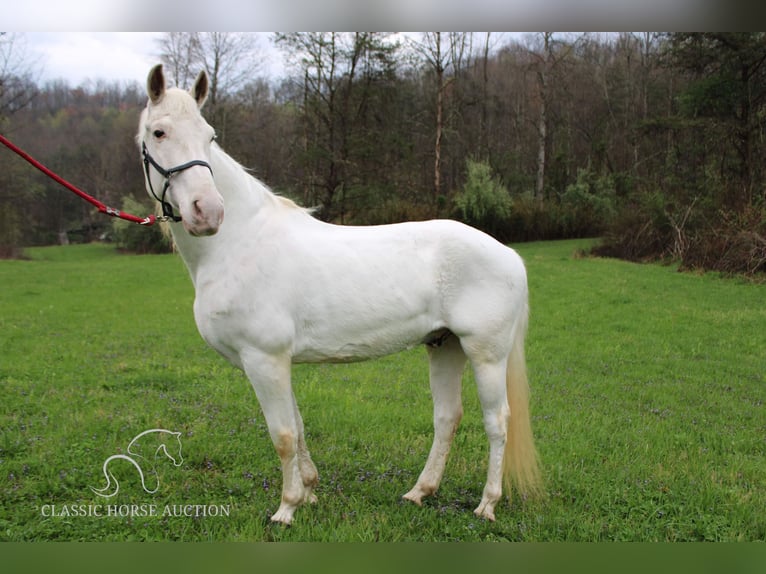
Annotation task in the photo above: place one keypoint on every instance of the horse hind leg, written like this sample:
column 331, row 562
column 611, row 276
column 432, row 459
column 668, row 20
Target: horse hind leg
column 447, row 362
column 504, row 395
column 490, row 382
column 308, row 470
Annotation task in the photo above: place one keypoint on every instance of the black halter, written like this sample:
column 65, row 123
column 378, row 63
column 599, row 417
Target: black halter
column 167, row 208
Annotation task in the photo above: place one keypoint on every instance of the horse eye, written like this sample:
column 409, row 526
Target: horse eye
column 159, row 134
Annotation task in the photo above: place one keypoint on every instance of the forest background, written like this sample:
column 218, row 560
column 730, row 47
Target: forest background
column 652, row 141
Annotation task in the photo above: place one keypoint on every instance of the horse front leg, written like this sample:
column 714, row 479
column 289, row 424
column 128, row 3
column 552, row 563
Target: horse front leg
column 270, row 377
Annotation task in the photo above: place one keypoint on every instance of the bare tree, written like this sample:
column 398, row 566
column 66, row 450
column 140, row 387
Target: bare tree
column 336, row 73
column 230, row 59
column 548, row 55
column 17, row 70
column 316, row 55
column 179, row 52
column 444, row 53
column 544, row 64
column 483, row 129
column 17, row 90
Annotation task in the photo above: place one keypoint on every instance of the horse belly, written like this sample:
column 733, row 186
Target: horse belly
column 361, row 342
column 367, row 315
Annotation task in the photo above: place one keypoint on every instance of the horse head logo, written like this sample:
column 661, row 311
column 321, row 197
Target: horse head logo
column 152, row 442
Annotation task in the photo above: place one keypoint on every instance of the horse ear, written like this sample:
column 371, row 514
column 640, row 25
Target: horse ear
column 155, row 84
column 200, row 89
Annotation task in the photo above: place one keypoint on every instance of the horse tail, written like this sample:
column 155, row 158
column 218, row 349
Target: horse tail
column 521, row 467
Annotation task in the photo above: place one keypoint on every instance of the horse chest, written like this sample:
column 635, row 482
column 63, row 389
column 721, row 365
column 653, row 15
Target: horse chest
column 230, row 320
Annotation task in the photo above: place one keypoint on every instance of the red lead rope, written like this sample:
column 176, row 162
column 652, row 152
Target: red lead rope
column 103, row 208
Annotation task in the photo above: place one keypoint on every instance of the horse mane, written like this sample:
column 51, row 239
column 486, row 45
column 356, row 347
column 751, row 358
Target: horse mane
column 263, row 188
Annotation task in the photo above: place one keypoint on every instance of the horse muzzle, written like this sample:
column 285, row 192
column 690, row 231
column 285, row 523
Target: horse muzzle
column 203, row 215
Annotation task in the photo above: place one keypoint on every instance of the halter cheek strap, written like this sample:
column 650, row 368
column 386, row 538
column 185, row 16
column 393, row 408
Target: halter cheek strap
column 167, row 208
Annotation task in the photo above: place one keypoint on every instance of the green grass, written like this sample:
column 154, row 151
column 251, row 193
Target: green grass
column 648, row 391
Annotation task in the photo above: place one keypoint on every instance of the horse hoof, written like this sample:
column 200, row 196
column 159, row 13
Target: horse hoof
column 485, row 511
column 283, row 516
column 414, row 496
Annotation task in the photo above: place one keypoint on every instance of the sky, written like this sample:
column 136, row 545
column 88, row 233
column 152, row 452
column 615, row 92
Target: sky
column 113, row 56
column 76, row 57
column 123, row 55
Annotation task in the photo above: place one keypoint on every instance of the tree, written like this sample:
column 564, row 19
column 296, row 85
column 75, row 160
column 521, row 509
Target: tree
column 483, row 201
column 659, row 133
column 318, row 59
column 179, row 52
column 702, row 202
column 230, row 60
column 444, row 54
column 728, row 92
column 544, row 64
column 547, row 56
column 483, row 127
column 17, row 90
column 17, row 86
column 336, row 77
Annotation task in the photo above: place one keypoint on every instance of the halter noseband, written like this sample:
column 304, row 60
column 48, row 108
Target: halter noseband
column 167, row 208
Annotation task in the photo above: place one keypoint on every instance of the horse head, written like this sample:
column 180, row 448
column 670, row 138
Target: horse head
column 176, row 142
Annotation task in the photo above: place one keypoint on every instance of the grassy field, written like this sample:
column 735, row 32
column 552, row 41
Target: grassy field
column 648, row 406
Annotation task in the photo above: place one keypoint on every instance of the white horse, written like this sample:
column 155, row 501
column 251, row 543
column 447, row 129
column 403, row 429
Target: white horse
column 275, row 286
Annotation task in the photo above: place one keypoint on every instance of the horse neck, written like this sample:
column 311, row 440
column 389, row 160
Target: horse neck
column 243, row 195
column 244, row 198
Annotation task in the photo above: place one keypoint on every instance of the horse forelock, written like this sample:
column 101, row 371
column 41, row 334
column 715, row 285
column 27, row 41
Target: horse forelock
column 176, row 103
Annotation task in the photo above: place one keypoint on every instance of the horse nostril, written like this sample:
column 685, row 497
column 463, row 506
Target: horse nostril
column 197, row 209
